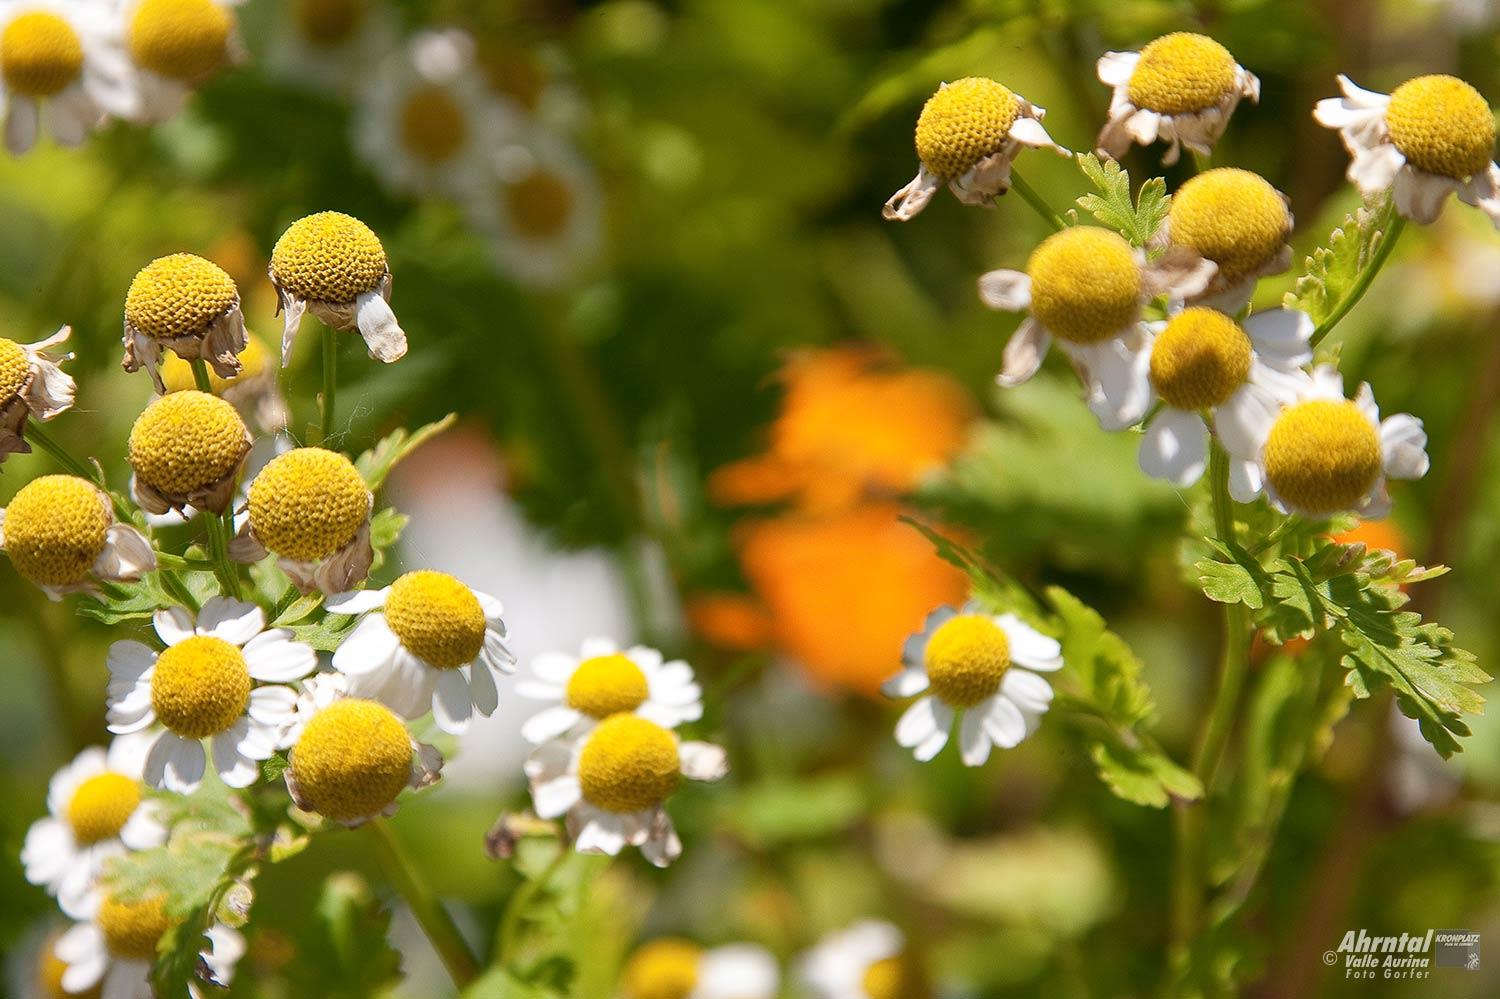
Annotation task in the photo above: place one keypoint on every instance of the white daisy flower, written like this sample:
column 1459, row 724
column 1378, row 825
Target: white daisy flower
column 328, row 45
column 428, row 642
column 175, row 45
column 984, row 668
column 1322, row 454
column 1087, row 287
column 66, row 56
column 115, row 949
column 1202, row 361
column 61, row 534
column 96, row 811
column 864, row 961
column 535, row 78
column 1236, row 219
column 968, row 134
column 222, row 677
column 671, row 966
column 1180, row 89
column 612, row 785
column 601, row 681
column 31, row 385
column 1431, row 137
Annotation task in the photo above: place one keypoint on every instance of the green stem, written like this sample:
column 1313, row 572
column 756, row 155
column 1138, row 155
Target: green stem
column 200, row 375
column 430, row 915
column 1394, row 226
column 218, row 546
column 515, row 910
column 36, row 435
column 330, row 382
column 1036, row 201
column 177, row 563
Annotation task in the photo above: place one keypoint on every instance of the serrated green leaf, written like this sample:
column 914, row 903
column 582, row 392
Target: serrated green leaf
column 1136, row 220
column 376, row 463
column 1105, row 670
column 1142, row 776
column 1235, row 581
column 1331, row 271
column 129, row 601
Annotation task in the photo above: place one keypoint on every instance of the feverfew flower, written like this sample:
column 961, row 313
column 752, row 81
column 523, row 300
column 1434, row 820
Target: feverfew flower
column 866, row 961
column 222, row 677
column 427, row 642
column 187, row 449
column 1432, row 136
column 175, row 46
column 968, row 134
column 31, row 385
column 186, row 304
column 327, row 45
column 1181, row 89
column 981, row 666
column 60, row 532
column 115, row 949
column 1237, row 220
column 602, row 681
column 672, row 968
column 612, row 785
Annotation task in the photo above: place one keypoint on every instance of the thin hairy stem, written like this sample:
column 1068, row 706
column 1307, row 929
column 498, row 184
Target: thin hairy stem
column 218, row 546
column 330, row 383
column 39, row 437
column 1037, row 202
column 439, row 927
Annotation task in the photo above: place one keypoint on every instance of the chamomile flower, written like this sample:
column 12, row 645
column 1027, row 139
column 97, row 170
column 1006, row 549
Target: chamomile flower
column 188, row 305
column 64, row 56
column 327, row 45
column 60, row 533
column 253, row 392
column 672, row 968
column 1236, row 219
column 535, row 78
column 96, row 811
column 177, row 45
column 968, row 134
column 311, row 509
column 1086, row 286
column 113, row 952
column 187, row 449
column 333, row 266
column 222, row 676
column 1180, row 89
column 1322, row 454
column 602, row 681
column 427, row 642
column 865, row 961
column 1203, row 361
column 980, row 666
column 612, row 785
column 31, row 385
column 1430, row 137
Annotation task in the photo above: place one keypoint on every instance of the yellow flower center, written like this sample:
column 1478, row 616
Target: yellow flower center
column 662, row 969
column 49, row 973
column 437, row 618
column 101, row 806
column 1182, row 72
column 55, row 528
column 893, row 978
column 40, row 54
column 963, row 123
column 1085, row 284
column 328, row 257
column 433, row 125
column 180, row 39
column 308, row 503
column 540, row 204
column 352, row 760
column 966, row 658
column 15, row 368
column 1200, row 359
column 187, row 441
column 1442, row 125
column 607, row 685
column 1233, row 217
column 628, row 765
column 200, row 687
column 1323, row 456
column 177, row 374
column 179, row 295
column 328, row 23
column 132, row 929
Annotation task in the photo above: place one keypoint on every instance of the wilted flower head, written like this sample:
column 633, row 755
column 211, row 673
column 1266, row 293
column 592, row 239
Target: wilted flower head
column 352, row 759
column 31, row 385
column 187, row 449
column 60, row 532
column 1236, row 219
column 186, row 304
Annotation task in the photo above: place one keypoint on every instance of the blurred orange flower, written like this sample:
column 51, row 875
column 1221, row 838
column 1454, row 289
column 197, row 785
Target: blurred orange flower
column 1375, row 535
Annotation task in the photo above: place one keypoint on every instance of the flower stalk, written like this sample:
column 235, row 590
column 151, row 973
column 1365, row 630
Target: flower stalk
column 438, row 926
column 1037, row 202
column 1394, row 225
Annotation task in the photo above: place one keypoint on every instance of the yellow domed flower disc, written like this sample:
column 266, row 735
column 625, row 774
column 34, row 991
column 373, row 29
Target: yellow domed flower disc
column 662, row 969
column 1442, row 125
column 628, row 765
column 101, row 806
column 965, row 659
column 177, row 374
column 607, row 685
column 178, row 295
column 308, row 503
column 15, row 369
column 200, row 687
column 539, row 204
column 1182, row 72
column 1233, row 217
column 328, row 23
column 352, row 760
column 132, row 929
column 894, row 977
column 180, row 39
column 55, row 528
column 328, row 257
column 963, row 123
column 1199, row 359
column 1085, row 284
column 1323, row 456
column 49, row 974
column 40, row 54
column 186, row 442
column 437, row 618
column 433, row 126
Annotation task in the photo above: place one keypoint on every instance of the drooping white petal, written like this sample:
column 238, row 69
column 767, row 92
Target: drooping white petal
column 918, row 722
column 1028, row 646
column 173, row 625
column 973, row 741
column 1115, row 68
column 1175, row 447
column 549, row 724
column 703, row 761
column 356, row 601
column 175, row 763
column 1243, row 422
column 1404, row 443
column 234, row 769
column 1419, row 195
column 1029, row 691
column 370, row 648
column 1281, row 336
column 909, row 201
column 1374, row 170
column 233, row 621
column 907, row 683
column 1023, row 353
column 1005, row 723
column 383, row 336
column 1246, row 480
column 452, row 704
column 554, row 797
column 482, row 687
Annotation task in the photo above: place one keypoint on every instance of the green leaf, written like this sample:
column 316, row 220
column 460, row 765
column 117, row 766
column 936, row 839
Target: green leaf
column 779, row 810
column 1106, row 671
column 1143, row 776
column 385, row 530
column 129, row 601
column 988, row 586
column 327, row 634
column 1329, row 274
column 498, row 983
column 1234, row 578
column 1136, row 220
column 376, row 463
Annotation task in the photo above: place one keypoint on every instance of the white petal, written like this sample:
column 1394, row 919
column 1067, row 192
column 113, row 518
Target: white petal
column 182, row 763
column 1004, row 723
column 1404, row 443
column 703, row 761
column 1483, row 192
column 1027, row 690
column 907, row 683
column 370, row 648
column 1246, row 480
column 234, row 621
column 383, row 336
column 234, row 769
column 1281, row 336
column 1420, row 195
column 1023, row 353
column 356, row 601
column 452, row 704
column 602, row 833
column 555, row 797
column 482, row 688
column 973, row 741
column 127, row 660
column 1007, row 291
column 918, row 722
column 1175, row 447
column 555, row 667
column 549, row 724
column 274, row 657
column 173, row 625
column 1374, row 170
column 1029, row 647
column 906, row 203
column 1244, row 421
column 1118, row 382
column 273, row 705
column 1115, row 68
column 1031, row 132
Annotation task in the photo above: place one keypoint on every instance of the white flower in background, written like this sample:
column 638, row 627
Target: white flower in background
column 96, row 810
column 61, row 534
column 865, row 961
column 115, row 949
column 612, row 785
column 31, row 385
column 424, row 122
column 1180, row 89
column 1431, row 137
column 222, row 677
column 328, row 45
column 63, row 59
column 1322, row 454
column 175, row 45
column 1236, row 219
column 1201, row 360
column 535, row 78
column 1087, row 287
column 680, row 969
column 601, row 681
column 981, row 667
column 428, row 642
